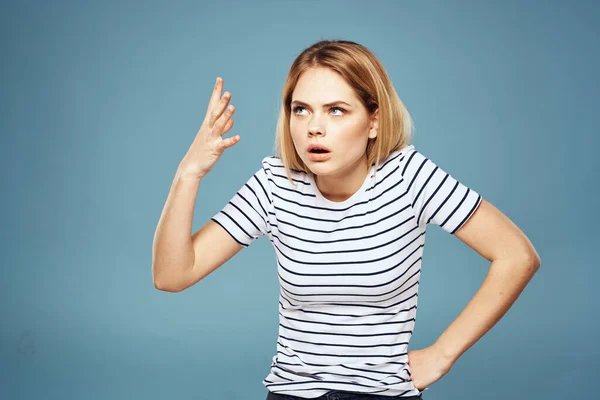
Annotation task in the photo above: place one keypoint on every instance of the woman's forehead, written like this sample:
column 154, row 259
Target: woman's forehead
column 322, row 85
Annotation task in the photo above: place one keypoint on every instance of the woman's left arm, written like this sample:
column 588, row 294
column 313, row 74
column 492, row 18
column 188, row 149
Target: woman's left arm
column 514, row 261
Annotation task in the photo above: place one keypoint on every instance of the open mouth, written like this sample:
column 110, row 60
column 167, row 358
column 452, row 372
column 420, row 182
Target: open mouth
column 319, row 154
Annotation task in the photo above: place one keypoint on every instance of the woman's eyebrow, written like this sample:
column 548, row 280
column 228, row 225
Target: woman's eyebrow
column 333, row 103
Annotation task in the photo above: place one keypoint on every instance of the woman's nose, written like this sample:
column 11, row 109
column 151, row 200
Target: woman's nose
column 316, row 127
column 313, row 131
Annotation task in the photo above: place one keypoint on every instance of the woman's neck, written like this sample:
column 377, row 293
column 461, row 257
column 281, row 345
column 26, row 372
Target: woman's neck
column 342, row 186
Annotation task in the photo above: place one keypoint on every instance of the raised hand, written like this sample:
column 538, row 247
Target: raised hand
column 208, row 145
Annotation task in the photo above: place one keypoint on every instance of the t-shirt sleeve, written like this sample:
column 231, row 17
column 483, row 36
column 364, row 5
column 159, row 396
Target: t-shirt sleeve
column 245, row 216
column 436, row 196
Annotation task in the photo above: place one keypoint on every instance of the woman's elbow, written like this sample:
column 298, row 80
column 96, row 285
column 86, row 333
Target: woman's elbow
column 532, row 260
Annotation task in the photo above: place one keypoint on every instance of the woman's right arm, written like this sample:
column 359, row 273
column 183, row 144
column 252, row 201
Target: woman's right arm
column 180, row 259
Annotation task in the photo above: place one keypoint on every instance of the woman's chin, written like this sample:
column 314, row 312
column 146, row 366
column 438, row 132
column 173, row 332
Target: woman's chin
column 318, row 168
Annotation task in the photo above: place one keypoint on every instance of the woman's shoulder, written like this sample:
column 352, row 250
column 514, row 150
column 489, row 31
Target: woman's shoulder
column 272, row 161
column 396, row 158
column 273, row 169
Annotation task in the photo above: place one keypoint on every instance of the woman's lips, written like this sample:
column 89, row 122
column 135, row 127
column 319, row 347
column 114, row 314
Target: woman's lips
column 319, row 156
column 316, row 146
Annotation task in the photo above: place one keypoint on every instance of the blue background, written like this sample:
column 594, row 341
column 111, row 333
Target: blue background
column 100, row 101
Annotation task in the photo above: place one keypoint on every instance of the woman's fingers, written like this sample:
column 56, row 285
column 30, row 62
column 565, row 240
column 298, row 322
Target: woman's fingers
column 218, row 110
column 227, row 143
column 228, row 126
column 216, row 94
column 223, row 120
column 219, row 113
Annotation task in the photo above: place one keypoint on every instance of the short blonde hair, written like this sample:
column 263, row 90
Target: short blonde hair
column 365, row 74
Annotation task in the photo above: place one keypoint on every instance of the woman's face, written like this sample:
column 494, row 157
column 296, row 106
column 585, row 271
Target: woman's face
column 326, row 111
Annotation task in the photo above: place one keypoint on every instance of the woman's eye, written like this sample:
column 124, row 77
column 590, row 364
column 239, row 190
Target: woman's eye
column 297, row 108
column 339, row 109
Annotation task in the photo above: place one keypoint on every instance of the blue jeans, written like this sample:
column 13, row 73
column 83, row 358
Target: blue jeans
column 342, row 395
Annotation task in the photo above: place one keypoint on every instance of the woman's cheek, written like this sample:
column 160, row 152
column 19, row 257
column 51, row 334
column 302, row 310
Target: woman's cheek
column 295, row 130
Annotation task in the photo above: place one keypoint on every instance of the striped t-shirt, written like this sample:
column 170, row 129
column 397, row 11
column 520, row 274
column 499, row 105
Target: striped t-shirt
column 348, row 271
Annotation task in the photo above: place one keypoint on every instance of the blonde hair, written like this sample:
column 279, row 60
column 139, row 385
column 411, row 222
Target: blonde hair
column 365, row 74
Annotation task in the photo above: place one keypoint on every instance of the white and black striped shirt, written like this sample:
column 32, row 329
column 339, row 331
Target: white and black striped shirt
column 348, row 271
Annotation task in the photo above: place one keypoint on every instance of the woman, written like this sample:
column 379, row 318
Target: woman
column 345, row 204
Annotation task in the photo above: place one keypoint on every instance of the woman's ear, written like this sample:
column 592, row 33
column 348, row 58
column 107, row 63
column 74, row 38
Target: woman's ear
column 374, row 125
